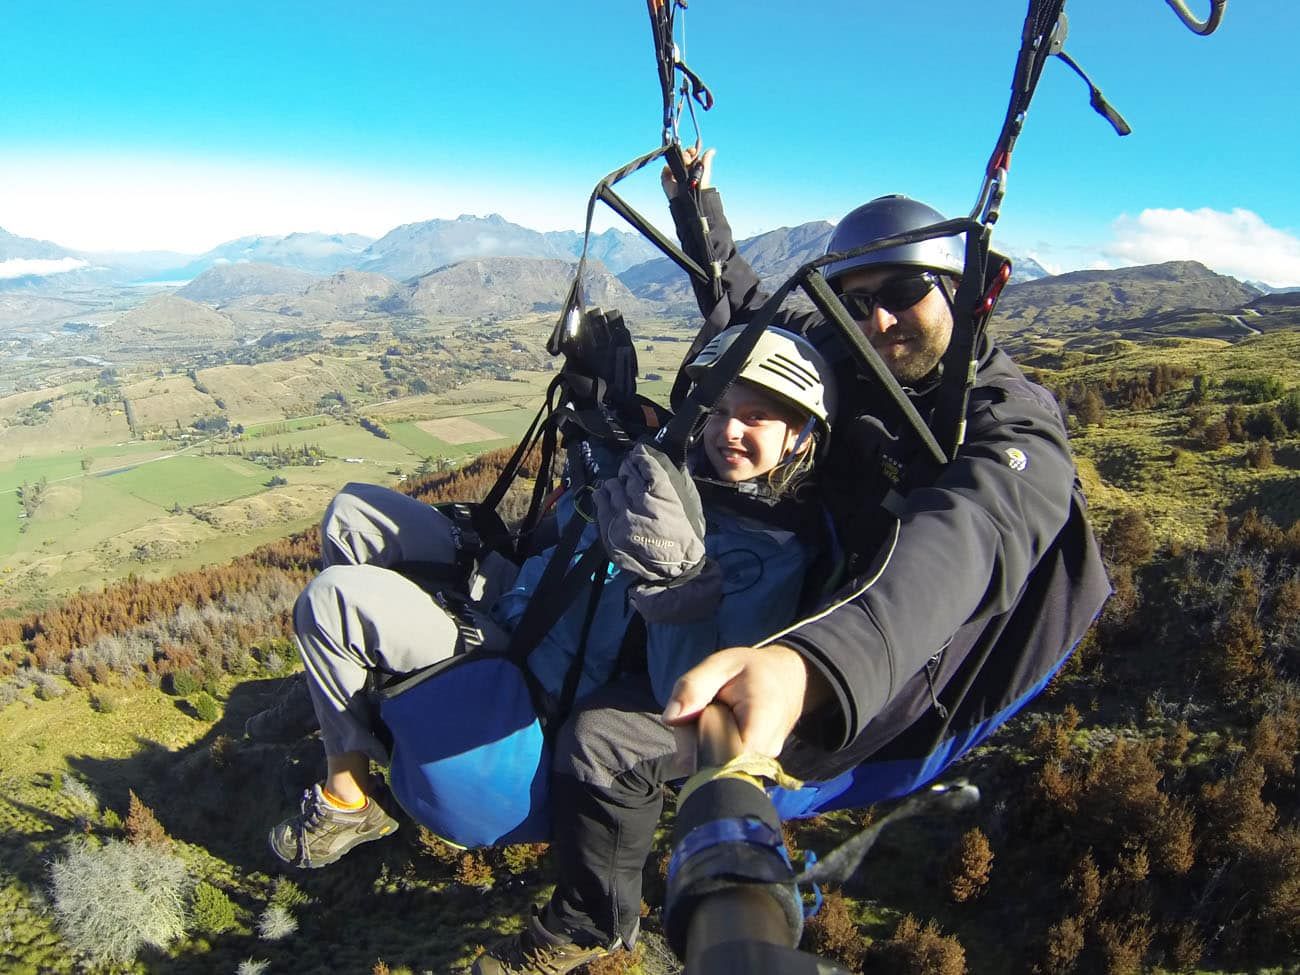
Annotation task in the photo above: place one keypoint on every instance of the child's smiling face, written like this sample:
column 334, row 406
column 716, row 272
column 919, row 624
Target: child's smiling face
column 749, row 433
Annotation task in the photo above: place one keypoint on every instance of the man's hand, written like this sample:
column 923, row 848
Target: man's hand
column 767, row 689
column 669, row 182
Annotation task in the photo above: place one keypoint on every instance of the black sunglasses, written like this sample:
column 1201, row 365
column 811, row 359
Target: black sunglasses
column 895, row 295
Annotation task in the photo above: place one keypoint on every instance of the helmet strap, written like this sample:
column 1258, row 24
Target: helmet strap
column 800, row 440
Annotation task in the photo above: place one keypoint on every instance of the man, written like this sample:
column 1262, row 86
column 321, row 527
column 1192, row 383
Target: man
column 957, row 577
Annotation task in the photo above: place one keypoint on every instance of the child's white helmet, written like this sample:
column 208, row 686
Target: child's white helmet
column 783, row 363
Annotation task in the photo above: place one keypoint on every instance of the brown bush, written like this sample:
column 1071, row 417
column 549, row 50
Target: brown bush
column 918, row 950
column 473, row 870
column 970, row 866
column 1063, row 945
column 618, row 962
column 1084, row 884
column 1258, row 531
column 832, row 932
column 1124, row 944
column 1237, row 646
column 1129, row 539
column 1186, row 947
column 1259, row 455
column 142, row 825
column 522, row 857
column 1053, row 736
column 1216, row 532
column 1286, row 602
column 79, row 676
column 1215, row 435
column 1174, row 745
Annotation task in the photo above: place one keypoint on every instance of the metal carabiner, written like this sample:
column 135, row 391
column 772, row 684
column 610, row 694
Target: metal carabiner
column 1203, row 27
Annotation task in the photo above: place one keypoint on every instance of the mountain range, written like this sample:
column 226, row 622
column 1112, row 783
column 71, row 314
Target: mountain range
column 407, row 252
column 488, row 267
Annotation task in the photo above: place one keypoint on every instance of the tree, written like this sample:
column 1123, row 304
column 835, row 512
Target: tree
column 1259, row 455
column 1129, row 539
column 1091, row 409
column 142, row 826
column 970, row 866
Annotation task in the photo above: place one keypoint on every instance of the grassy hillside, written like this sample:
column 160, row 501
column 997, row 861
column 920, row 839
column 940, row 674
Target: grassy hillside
column 1144, row 815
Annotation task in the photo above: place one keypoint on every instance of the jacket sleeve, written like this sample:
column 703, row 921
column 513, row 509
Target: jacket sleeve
column 964, row 549
column 742, row 289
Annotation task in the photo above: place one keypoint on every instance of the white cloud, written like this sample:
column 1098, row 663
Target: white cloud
column 1239, row 243
column 109, row 203
column 21, row 267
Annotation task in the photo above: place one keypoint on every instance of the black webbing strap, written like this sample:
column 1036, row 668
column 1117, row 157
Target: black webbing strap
column 542, row 428
column 572, row 679
column 556, row 589
column 675, row 438
column 959, row 362
column 829, row 304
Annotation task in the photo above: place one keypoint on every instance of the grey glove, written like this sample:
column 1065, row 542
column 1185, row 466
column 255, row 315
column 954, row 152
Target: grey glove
column 650, row 517
column 685, row 600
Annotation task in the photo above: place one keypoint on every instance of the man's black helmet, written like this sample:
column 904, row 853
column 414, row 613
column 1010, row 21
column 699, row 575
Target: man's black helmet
column 887, row 216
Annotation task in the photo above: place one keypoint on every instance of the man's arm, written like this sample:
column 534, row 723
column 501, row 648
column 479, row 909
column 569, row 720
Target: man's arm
column 741, row 286
column 964, row 549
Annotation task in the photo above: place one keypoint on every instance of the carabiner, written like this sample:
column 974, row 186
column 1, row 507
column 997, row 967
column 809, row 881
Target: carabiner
column 1203, row 27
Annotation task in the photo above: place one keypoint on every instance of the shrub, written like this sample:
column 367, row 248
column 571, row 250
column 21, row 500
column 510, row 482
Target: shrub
column 48, row 687
column 522, row 857
column 918, row 950
column 1215, row 435
column 1257, row 389
column 1289, row 410
column 1259, row 455
column 105, row 701
column 81, row 796
column 79, row 676
column 1129, row 539
column 832, row 932
column 275, row 923
column 286, row 894
column 618, row 962
column 1266, row 422
column 1063, row 945
column 206, row 707
column 142, row 826
column 184, row 683
column 473, row 871
column 970, row 866
column 212, row 909
column 1125, row 944
column 111, row 900
column 250, row 966
column 221, row 751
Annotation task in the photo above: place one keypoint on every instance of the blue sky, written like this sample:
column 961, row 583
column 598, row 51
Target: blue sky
column 132, row 126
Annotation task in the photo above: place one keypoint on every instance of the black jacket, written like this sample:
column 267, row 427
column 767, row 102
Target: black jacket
column 966, row 580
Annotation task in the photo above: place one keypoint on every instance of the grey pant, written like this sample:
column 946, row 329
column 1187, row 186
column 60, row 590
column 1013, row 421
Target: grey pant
column 360, row 617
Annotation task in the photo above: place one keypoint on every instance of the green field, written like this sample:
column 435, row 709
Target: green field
column 190, row 479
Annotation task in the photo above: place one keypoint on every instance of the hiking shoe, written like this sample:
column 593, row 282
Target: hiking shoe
column 320, row 834
column 290, row 718
column 535, row 951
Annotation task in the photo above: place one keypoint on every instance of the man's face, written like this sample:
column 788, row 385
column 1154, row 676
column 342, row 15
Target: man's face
column 910, row 340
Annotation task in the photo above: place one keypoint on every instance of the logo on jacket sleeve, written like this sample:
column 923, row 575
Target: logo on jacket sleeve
column 1016, row 459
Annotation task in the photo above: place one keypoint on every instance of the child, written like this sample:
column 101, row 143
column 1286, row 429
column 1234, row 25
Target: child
column 359, row 616
column 765, row 529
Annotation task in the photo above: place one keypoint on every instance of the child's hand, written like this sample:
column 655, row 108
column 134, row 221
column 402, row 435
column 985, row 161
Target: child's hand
column 650, row 517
